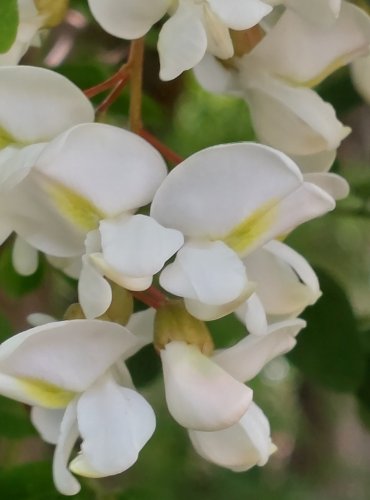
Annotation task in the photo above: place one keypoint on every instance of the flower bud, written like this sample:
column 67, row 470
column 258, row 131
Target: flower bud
column 174, row 323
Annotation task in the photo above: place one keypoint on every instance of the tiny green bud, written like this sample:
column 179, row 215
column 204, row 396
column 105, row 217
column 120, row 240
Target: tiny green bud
column 173, row 322
column 52, row 10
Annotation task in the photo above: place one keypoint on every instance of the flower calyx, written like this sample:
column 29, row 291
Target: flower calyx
column 174, row 323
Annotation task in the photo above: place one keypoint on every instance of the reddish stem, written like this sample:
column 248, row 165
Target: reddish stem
column 170, row 155
column 152, row 297
column 122, row 74
column 112, row 96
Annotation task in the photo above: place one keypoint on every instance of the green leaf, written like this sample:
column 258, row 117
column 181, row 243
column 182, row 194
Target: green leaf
column 15, row 420
column 226, row 331
column 9, row 20
column 33, row 481
column 13, row 283
column 329, row 350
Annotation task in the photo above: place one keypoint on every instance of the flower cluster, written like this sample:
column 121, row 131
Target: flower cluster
column 99, row 203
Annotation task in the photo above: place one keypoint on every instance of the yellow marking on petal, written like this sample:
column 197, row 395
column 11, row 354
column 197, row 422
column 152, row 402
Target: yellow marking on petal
column 249, row 230
column 53, row 11
column 48, row 395
column 6, row 139
column 74, row 206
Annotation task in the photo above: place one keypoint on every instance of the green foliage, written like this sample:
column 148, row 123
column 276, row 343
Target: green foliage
column 145, row 366
column 9, row 20
column 226, row 331
column 33, row 481
column 13, row 283
column 15, row 420
column 329, row 350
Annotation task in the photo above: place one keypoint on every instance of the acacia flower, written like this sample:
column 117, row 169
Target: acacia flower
column 72, row 373
column 194, row 26
column 228, row 201
column 276, row 76
column 79, row 202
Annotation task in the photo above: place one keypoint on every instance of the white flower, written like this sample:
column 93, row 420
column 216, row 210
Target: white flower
column 195, row 26
column 208, row 397
column 276, row 78
column 228, row 201
column 79, row 201
column 73, row 375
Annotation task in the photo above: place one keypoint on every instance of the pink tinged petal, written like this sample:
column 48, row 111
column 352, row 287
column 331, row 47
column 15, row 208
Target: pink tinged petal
column 200, row 395
column 94, row 291
column 138, row 246
column 63, row 479
column 246, row 359
column 239, row 447
column 115, row 423
column 240, row 14
column 333, row 184
column 211, row 273
column 286, row 283
column 127, row 169
column 295, row 120
column 24, row 257
column 182, row 42
column 216, row 189
column 305, row 53
column 255, row 316
column 48, row 423
column 37, row 104
column 70, row 355
column 128, row 19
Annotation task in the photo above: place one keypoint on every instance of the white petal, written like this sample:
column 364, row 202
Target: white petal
column 246, row 359
column 317, row 11
column 37, row 104
column 214, row 77
column 255, row 316
column 138, row 246
column 141, row 324
column 182, row 42
column 319, row 162
column 219, row 41
column 293, row 119
column 241, row 446
column 68, row 354
column 333, row 184
column 15, row 164
column 63, row 479
column 114, row 423
column 24, row 257
column 38, row 319
column 208, row 272
column 360, row 72
column 94, row 291
column 199, row 394
column 127, row 169
column 31, row 213
column 240, row 14
column 202, row 199
column 286, row 283
column 128, row 19
column 48, row 423
column 304, row 52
